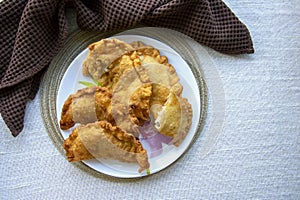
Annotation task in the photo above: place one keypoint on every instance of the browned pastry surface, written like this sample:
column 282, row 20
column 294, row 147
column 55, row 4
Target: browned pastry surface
column 86, row 105
column 186, row 121
column 172, row 114
column 139, row 104
column 102, row 140
column 117, row 68
column 66, row 119
column 168, row 120
column 101, row 54
column 125, row 89
column 136, row 85
column 104, row 52
column 148, row 57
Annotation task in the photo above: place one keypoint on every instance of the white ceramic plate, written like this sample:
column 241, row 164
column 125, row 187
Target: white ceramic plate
column 69, row 84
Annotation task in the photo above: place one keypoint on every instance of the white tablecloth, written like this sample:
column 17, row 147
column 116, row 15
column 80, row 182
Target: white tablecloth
column 257, row 154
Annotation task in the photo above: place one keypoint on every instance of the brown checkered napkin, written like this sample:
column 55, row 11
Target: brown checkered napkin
column 32, row 32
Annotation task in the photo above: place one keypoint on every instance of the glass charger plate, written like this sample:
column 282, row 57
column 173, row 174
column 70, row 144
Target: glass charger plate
column 66, row 68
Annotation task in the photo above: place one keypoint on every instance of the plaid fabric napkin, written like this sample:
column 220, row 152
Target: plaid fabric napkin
column 32, row 32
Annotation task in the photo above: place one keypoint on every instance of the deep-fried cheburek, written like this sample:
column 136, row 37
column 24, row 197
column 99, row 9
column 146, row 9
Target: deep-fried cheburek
column 138, row 83
column 131, row 71
column 101, row 54
column 102, row 140
column 160, row 71
column 172, row 114
column 185, row 121
column 117, row 68
column 86, row 105
column 93, row 104
column 139, row 104
column 145, row 57
column 128, row 87
column 173, row 118
column 168, row 119
column 104, row 52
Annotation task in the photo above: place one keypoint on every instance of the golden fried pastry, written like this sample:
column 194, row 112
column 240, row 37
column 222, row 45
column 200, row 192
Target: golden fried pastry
column 126, row 62
column 158, row 98
column 117, row 68
column 160, row 94
column 163, row 75
column 140, row 81
column 95, row 103
column 129, row 73
column 128, row 88
column 185, row 121
column 172, row 114
column 168, row 120
column 139, row 104
column 139, row 45
column 175, row 118
column 101, row 54
column 86, row 105
column 102, row 140
column 66, row 119
column 158, row 68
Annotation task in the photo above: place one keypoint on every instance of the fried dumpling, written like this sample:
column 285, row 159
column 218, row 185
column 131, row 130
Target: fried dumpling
column 140, row 81
column 168, row 119
column 185, row 121
column 160, row 71
column 172, row 114
column 126, row 62
column 145, row 55
column 93, row 104
column 86, row 105
column 139, row 104
column 104, row 52
column 101, row 54
column 131, row 87
column 102, row 140
column 117, row 68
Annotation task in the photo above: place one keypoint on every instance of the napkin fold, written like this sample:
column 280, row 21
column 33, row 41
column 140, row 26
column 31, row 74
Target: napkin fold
column 32, row 33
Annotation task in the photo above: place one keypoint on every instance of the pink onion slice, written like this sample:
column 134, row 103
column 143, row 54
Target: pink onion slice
column 152, row 140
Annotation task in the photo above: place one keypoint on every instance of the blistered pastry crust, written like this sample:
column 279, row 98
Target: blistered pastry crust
column 102, row 140
column 100, row 100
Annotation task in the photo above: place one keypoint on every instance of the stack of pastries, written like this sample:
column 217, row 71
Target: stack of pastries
column 137, row 84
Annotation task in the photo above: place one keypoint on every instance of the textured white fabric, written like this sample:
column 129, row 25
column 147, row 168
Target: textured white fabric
column 257, row 154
